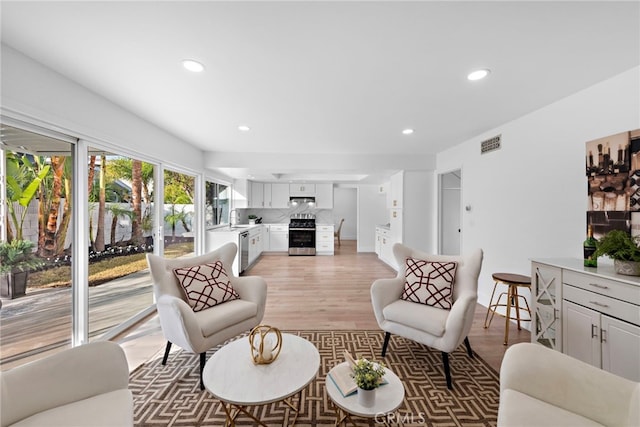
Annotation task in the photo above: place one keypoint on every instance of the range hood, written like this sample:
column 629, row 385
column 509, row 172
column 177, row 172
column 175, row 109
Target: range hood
column 302, row 200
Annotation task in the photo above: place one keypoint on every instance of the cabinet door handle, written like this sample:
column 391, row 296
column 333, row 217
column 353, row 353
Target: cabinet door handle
column 556, row 313
column 596, row 285
column 599, row 304
column 603, row 335
column 594, row 331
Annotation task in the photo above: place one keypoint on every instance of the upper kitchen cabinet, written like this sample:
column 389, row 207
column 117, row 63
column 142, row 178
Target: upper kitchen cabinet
column 324, row 196
column 241, row 189
column 256, row 195
column 396, row 193
column 276, row 196
column 302, row 189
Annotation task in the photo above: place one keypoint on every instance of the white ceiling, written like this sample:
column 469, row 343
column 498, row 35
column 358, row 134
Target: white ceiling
column 329, row 79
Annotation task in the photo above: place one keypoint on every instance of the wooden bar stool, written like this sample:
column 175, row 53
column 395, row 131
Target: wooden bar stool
column 513, row 281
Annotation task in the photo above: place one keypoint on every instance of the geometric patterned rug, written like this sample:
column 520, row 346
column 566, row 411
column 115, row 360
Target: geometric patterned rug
column 170, row 395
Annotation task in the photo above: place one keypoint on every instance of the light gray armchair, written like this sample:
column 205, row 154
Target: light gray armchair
column 199, row 331
column 83, row 386
column 543, row 387
column 435, row 327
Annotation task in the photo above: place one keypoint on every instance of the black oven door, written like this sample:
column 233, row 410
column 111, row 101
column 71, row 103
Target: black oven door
column 302, row 241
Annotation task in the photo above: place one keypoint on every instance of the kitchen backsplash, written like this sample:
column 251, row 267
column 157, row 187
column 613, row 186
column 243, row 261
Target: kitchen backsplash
column 282, row 216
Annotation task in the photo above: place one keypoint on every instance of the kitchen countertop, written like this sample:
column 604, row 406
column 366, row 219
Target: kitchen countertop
column 235, row 229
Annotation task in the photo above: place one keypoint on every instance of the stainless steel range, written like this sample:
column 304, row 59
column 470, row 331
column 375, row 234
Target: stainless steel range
column 302, row 234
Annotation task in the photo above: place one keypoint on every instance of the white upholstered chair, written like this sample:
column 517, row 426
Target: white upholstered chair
column 86, row 385
column 435, row 327
column 543, row 387
column 197, row 332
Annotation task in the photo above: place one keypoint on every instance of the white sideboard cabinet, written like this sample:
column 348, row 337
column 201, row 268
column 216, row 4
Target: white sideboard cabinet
column 592, row 314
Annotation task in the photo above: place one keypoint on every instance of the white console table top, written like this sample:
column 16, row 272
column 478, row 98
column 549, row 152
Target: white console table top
column 604, row 270
column 231, row 376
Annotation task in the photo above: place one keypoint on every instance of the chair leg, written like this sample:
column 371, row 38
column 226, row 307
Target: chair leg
column 203, row 360
column 166, row 352
column 447, row 370
column 387, row 335
column 466, row 343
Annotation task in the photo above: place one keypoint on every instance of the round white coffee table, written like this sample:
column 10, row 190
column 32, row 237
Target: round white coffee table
column 232, row 377
column 389, row 397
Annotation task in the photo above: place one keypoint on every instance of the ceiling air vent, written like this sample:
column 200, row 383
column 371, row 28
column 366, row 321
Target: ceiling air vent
column 491, row 144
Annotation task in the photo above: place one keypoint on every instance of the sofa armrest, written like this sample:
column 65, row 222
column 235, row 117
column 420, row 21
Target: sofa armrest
column 568, row 383
column 254, row 289
column 65, row 377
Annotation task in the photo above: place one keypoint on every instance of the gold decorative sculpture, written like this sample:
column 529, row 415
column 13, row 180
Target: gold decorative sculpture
column 266, row 343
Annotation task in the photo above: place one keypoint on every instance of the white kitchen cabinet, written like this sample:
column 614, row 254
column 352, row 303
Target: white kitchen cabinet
column 384, row 246
column 324, row 196
column 255, row 243
column 601, row 340
column 599, row 320
column 581, row 333
column 324, row 240
column 302, row 189
column 546, row 291
column 278, row 195
column 279, row 238
column 265, row 237
column 215, row 238
column 620, row 348
column 256, row 195
column 396, row 195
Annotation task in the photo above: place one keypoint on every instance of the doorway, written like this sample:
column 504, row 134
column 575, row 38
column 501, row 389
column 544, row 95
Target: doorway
column 450, row 231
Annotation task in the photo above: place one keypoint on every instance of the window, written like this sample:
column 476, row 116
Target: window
column 216, row 204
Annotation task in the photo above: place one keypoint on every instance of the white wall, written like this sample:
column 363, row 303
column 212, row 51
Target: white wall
column 419, row 203
column 33, row 91
column 345, row 205
column 528, row 199
column 372, row 211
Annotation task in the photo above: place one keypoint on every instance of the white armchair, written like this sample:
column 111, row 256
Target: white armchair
column 438, row 328
column 83, row 386
column 543, row 387
column 197, row 332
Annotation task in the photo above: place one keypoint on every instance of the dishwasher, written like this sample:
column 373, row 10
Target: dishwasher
column 244, row 251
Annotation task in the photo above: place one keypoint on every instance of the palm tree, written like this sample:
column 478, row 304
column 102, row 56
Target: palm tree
column 57, row 166
column 116, row 213
column 99, row 241
column 136, row 201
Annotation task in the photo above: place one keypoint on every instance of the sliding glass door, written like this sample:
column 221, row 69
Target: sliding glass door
column 35, row 251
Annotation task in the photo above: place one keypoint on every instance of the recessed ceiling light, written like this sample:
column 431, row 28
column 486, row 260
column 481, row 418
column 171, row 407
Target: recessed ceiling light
column 244, row 128
column 478, row 74
column 192, row 65
column 407, row 131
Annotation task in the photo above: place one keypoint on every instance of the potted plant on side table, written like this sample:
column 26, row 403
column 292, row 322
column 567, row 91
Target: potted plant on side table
column 623, row 249
column 368, row 376
column 16, row 259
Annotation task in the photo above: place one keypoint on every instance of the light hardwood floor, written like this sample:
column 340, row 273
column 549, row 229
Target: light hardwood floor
column 329, row 292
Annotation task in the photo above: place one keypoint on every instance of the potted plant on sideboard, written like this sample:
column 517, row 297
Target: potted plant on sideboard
column 16, row 259
column 620, row 246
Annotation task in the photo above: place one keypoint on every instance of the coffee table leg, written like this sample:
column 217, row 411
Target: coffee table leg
column 231, row 418
column 342, row 417
column 296, row 408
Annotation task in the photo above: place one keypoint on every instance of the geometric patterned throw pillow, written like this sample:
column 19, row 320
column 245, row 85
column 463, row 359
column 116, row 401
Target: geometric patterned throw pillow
column 429, row 282
column 205, row 285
